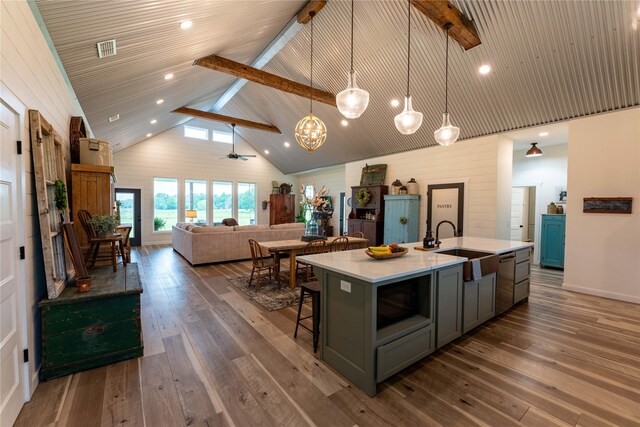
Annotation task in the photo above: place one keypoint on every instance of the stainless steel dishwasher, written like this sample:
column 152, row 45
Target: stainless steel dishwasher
column 505, row 286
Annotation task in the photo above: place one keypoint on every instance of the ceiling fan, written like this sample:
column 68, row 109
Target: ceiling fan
column 233, row 154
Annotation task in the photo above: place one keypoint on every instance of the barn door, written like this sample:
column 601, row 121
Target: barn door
column 49, row 166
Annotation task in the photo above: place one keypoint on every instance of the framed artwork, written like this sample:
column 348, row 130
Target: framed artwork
column 373, row 174
column 615, row 205
column 445, row 202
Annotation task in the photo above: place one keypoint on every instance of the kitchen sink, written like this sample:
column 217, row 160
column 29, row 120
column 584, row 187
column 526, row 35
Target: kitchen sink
column 488, row 262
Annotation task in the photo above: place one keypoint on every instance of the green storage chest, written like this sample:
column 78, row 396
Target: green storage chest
column 85, row 330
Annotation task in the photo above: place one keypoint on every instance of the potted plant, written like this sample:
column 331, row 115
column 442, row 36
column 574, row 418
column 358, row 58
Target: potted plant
column 60, row 194
column 158, row 223
column 104, row 224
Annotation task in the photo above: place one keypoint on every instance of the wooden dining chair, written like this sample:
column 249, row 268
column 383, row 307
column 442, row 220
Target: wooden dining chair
column 357, row 234
column 260, row 263
column 339, row 244
column 93, row 252
column 314, row 247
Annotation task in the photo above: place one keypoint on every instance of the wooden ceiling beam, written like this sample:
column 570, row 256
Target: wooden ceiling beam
column 227, row 119
column 315, row 6
column 443, row 12
column 224, row 65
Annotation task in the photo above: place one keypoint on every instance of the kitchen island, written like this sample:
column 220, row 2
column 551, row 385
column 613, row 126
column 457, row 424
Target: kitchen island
column 380, row 316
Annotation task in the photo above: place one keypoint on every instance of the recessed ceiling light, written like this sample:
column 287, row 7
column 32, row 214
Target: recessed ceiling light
column 168, row 76
column 148, row 135
column 114, row 118
column 266, row 151
column 484, row 69
column 159, row 101
column 543, row 134
column 154, row 121
column 286, row 144
column 395, row 102
column 344, row 122
column 185, row 25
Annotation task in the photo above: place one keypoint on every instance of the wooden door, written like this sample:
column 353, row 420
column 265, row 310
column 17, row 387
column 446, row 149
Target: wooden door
column 92, row 190
column 12, row 384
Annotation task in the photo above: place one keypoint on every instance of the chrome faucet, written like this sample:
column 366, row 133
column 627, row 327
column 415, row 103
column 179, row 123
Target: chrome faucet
column 455, row 233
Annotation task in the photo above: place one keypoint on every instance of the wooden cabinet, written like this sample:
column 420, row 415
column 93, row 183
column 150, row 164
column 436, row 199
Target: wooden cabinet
column 401, row 218
column 85, row 330
column 368, row 218
column 282, row 208
column 92, row 190
column 448, row 305
column 479, row 302
column 552, row 241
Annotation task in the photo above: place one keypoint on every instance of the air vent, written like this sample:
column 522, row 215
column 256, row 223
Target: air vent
column 114, row 118
column 106, row 48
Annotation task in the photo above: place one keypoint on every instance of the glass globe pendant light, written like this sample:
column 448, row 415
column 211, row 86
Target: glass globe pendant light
column 408, row 121
column 311, row 132
column 352, row 101
column 447, row 134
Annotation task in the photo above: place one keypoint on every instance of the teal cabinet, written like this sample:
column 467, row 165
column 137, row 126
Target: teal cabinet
column 401, row 218
column 552, row 241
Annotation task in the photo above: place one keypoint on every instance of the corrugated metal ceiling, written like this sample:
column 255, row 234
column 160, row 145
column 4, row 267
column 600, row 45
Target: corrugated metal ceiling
column 551, row 61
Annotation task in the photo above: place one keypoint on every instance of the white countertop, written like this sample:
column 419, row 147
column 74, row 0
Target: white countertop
column 482, row 244
column 357, row 264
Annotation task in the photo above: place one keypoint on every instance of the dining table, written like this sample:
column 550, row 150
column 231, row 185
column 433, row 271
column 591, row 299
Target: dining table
column 293, row 247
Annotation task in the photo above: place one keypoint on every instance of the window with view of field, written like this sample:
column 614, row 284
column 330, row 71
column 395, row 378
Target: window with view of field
column 309, row 194
column 222, row 201
column 165, row 203
column 246, row 203
column 195, row 198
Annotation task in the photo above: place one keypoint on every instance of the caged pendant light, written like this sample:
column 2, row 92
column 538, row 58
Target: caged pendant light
column 447, row 134
column 408, row 121
column 310, row 131
column 352, row 101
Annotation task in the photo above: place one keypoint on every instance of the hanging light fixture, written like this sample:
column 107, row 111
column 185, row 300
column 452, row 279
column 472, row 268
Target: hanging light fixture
column 352, row 101
column 447, row 134
column 311, row 132
column 408, row 121
column 533, row 151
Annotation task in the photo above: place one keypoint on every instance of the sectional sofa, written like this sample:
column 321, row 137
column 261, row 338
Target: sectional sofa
column 202, row 245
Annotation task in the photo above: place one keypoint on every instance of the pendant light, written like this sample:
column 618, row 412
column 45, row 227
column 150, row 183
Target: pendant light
column 533, row 151
column 408, row 121
column 447, row 134
column 311, row 132
column 352, row 101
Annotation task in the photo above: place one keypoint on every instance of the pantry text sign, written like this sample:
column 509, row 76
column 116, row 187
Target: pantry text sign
column 445, row 202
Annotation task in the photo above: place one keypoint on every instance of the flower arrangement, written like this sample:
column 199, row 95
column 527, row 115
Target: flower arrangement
column 318, row 201
column 104, row 224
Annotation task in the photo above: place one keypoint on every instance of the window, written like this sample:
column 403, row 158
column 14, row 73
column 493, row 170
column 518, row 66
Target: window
column 195, row 198
column 222, row 201
column 194, row 132
column 224, row 137
column 309, row 194
column 165, row 203
column 246, row 203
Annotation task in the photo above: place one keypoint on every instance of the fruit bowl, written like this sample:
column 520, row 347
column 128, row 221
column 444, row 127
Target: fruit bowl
column 375, row 255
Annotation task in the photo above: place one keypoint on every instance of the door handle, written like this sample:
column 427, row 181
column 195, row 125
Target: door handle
column 521, row 226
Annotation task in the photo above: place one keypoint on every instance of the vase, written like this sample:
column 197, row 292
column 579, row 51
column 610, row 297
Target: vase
column 311, row 229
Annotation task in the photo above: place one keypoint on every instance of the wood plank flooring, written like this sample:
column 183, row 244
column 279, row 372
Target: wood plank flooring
column 214, row 358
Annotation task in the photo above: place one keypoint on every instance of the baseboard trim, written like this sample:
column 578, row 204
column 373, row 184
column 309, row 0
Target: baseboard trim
column 602, row 293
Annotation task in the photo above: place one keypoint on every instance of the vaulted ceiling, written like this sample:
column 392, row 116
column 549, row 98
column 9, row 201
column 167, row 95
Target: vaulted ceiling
column 550, row 61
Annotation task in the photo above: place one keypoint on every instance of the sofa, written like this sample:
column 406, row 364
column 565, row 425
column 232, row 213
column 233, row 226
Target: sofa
column 202, row 245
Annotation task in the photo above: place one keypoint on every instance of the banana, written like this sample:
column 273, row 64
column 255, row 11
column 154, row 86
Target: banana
column 380, row 249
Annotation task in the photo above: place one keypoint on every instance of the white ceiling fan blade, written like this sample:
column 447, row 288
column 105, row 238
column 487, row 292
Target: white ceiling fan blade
column 247, row 155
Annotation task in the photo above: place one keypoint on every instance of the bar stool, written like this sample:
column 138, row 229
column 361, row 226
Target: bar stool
column 311, row 289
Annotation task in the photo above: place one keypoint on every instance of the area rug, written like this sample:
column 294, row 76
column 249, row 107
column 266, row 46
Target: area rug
column 272, row 296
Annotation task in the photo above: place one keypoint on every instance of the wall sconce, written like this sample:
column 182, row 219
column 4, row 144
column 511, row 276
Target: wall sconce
column 265, row 203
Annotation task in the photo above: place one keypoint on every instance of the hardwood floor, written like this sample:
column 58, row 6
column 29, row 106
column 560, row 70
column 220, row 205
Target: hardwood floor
column 212, row 357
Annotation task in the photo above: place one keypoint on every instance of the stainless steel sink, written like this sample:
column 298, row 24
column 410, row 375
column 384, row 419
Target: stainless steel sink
column 488, row 262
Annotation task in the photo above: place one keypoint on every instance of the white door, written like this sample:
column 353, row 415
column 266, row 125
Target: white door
column 518, row 214
column 11, row 364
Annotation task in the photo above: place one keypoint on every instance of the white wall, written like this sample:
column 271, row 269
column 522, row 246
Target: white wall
column 546, row 173
column 333, row 179
column 482, row 164
column 31, row 80
column 171, row 155
column 603, row 250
